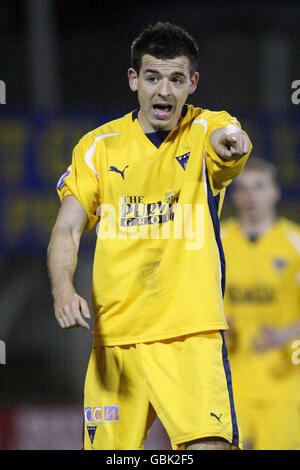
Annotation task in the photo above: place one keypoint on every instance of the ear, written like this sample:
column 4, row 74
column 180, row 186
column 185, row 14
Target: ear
column 194, row 82
column 277, row 194
column 133, row 79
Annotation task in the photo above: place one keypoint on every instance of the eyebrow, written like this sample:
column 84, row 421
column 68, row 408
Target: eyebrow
column 181, row 74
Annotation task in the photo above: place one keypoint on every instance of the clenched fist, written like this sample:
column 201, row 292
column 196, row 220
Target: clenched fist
column 71, row 310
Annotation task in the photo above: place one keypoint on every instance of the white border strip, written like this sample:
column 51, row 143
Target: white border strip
column 201, row 121
column 90, row 152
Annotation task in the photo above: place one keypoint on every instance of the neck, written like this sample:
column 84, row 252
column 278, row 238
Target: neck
column 257, row 226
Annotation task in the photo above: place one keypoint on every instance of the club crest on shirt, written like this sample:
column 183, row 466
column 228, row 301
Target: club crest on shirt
column 91, row 432
column 183, row 160
column 279, row 263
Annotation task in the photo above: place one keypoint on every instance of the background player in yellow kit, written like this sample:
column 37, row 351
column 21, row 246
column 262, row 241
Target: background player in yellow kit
column 159, row 175
column 262, row 304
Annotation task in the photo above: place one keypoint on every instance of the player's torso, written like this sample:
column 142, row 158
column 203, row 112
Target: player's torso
column 260, row 277
column 261, row 290
column 155, row 229
column 140, row 183
column 140, row 179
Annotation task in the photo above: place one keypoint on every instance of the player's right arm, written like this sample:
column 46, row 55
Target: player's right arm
column 70, row 309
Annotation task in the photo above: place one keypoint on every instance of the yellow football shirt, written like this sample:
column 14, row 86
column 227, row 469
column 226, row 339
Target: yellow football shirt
column 158, row 266
column 262, row 289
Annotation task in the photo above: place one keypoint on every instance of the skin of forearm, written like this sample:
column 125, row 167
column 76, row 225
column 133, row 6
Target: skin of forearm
column 62, row 260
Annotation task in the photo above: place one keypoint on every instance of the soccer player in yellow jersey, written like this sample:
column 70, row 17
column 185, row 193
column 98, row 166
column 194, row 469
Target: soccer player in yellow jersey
column 262, row 304
column 153, row 182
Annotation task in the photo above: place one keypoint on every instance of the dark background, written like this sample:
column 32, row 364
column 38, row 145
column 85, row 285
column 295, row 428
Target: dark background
column 64, row 64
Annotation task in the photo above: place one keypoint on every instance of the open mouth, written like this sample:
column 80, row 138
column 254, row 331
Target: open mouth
column 162, row 111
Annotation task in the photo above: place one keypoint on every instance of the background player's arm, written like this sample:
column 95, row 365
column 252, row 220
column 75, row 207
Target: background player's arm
column 70, row 309
column 270, row 337
column 230, row 143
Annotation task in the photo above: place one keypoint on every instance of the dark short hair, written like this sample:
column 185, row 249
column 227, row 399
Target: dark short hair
column 265, row 166
column 164, row 41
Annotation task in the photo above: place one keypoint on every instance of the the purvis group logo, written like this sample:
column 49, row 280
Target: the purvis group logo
column 136, row 218
column 137, row 212
column 2, row 352
column 256, row 294
column 2, row 92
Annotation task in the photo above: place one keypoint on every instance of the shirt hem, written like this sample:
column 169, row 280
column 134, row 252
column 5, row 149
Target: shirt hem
column 102, row 341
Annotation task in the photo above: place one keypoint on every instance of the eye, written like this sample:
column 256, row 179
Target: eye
column 177, row 80
column 152, row 79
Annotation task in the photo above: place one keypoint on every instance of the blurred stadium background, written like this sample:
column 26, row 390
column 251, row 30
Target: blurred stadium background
column 64, row 64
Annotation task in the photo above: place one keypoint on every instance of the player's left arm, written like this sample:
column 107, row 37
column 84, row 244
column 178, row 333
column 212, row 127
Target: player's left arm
column 227, row 149
column 230, row 142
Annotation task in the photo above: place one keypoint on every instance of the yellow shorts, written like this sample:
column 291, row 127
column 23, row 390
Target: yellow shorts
column 185, row 381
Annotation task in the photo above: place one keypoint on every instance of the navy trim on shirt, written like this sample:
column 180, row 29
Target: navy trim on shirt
column 213, row 204
column 253, row 238
column 158, row 137
column 135, row 114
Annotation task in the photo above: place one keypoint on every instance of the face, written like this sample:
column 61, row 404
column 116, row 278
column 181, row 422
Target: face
column 163, row 87
column 255, row 195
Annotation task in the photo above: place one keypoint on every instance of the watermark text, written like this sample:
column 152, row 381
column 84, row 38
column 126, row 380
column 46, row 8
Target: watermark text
column 296, row 353
column 2, row 92
column 2, row 352
column 296, row 94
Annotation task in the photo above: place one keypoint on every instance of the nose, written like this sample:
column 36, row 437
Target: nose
column 164, row 88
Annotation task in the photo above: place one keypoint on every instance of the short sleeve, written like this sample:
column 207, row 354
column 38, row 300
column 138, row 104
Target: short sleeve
column 221, row 171
column 82, row 181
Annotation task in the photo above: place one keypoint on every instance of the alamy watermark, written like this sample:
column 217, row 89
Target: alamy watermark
column 296, row 94
column 2, row 92
column 2, row 352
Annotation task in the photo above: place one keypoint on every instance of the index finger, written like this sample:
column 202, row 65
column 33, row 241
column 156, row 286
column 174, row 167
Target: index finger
column 84, row 314
column 85, row 309
column 75, row 315
column 230, row 138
